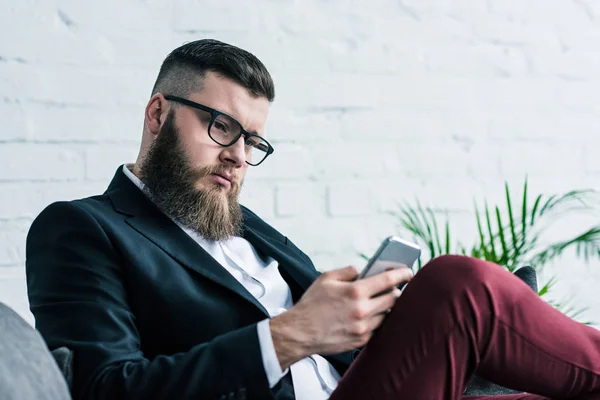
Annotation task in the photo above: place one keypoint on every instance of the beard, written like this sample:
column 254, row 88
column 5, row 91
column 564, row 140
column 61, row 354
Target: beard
column 170, row 182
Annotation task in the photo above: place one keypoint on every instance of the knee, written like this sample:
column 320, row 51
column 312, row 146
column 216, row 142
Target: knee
column 452, row 273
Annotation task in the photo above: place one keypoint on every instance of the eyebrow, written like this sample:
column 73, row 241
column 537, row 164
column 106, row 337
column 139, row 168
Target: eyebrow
column 236, row 120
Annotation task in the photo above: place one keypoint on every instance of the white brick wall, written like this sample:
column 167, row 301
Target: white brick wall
column 376, row 103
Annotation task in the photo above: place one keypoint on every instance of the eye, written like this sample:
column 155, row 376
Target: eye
column 220, row 126
column 251, row 141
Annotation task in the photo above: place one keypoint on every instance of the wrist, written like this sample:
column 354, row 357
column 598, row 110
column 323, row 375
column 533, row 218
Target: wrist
column 287, row 340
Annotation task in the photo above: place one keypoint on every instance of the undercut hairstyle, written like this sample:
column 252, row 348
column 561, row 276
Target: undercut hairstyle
column 182, row 71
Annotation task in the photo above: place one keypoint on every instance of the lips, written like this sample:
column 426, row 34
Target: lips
column 227, row 177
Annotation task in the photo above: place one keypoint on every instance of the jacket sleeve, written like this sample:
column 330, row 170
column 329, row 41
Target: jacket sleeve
column 78, row 297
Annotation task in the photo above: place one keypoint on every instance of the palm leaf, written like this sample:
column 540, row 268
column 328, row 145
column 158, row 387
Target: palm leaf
column 481, row 249
column 447, row 230
column 491, row 234
column 523, row 216
column 505, row 242
column 587, row 243
column 503, row 258
column 546, row 288
column 422, row 223
column 511, row 220
column 436, row 233
column 536, row 204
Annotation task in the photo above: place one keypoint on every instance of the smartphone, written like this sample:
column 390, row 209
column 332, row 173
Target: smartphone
column 392, row 252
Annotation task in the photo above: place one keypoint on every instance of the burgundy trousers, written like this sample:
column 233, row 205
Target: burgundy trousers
column 461, row 316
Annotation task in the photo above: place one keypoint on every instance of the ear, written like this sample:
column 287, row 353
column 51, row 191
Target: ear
column 156, row 113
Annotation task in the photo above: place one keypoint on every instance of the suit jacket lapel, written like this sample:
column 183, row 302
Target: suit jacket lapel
column 179, row 245
column 289, row 262
column 147, row 219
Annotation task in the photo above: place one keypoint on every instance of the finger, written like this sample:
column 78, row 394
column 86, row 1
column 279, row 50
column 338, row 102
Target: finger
column 376, row 321
column 385, row 281
column 348, row 273
column 381, row 304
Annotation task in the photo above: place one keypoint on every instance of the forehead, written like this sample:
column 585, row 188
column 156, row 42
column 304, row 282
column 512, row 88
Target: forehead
column 233, row 99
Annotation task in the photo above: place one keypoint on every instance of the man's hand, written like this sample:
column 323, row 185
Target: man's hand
column 335, row 314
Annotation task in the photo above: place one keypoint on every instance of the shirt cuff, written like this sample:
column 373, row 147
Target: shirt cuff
column 269, row 357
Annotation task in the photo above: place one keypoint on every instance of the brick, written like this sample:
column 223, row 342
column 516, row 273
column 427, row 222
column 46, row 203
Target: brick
column 579, row 96
column 437, row 192
column 517, row 94
column 300, row 199
column 77, row 16
column 568, row 12
column 13, row 293
column 28, row 199
column 444, row 7
column 40, row 162
column 484, row 61
column 343, row 237
column 193, row 15
column 349, row 199
column 512, row 32
column 564, row 127
column 571, row 64
column 591, row 161
column 552, row 159
column 341, row 91
column 15, row 272
column 16, row 126
column 301, row 127
column 73, row 124
column 355, row 160
column 259, row 197
column 361, row 55
column 87, row 87
column 274, row 51
column 101, row 162
column 388, row 125
column 12, row 241
column 287, row 162
column 431, row 93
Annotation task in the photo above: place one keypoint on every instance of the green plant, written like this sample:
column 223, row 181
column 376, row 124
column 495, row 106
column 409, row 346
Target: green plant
column 509, row 237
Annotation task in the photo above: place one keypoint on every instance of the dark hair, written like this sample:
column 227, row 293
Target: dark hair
column 182, row 71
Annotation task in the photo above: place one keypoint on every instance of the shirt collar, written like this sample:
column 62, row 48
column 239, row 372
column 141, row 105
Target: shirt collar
column 127, row 171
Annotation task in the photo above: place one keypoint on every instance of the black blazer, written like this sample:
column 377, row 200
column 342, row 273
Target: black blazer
column 147, row 312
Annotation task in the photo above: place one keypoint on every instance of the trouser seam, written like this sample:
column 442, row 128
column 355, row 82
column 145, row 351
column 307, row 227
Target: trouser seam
column 539, row 348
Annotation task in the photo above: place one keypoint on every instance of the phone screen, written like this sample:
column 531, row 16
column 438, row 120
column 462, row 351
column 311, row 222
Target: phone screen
column 393, row 253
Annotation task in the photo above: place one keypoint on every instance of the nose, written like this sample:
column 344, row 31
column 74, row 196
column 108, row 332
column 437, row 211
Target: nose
column 234, row 155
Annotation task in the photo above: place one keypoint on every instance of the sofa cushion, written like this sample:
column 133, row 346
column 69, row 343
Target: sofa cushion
column 27, row 368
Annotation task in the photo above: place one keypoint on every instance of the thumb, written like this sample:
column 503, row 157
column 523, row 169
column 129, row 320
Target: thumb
column 348, row 273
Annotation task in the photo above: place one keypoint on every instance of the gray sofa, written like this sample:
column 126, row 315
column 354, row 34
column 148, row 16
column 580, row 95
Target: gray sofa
column 28, row 370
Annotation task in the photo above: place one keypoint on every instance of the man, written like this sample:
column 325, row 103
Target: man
column 164, row 287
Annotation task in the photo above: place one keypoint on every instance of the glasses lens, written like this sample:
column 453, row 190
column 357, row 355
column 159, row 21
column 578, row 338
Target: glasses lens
column 224, row 130
column 257, row 150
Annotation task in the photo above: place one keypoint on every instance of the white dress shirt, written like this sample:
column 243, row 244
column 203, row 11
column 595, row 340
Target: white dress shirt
column 314, row 377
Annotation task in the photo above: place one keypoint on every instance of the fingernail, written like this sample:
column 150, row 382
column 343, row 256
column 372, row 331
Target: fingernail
column 397, row 292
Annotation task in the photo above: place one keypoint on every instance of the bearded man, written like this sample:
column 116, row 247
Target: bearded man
column 165, row 287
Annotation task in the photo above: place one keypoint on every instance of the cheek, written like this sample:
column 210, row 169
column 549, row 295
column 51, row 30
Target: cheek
column 243, row 171
column 201, row 153
column 197, row 145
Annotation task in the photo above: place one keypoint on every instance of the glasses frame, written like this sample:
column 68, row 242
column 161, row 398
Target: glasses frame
column 214, row 114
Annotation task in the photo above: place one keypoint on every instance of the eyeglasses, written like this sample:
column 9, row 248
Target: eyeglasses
column 226, row 130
